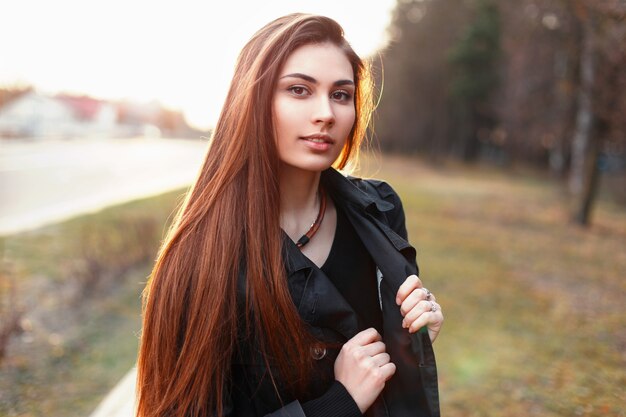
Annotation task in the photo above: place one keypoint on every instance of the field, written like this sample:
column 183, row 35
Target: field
column 78, row 285
column 534, row 305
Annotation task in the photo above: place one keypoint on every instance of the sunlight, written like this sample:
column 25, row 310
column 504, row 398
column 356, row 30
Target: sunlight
column 180, row 54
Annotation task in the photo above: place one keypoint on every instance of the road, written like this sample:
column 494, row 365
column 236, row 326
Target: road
column 48, row 181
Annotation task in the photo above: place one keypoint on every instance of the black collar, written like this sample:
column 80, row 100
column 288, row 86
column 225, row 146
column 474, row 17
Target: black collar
column 346, row 193
column 345, row 189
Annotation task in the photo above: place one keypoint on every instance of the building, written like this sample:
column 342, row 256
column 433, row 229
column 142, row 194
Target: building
column 38, row 116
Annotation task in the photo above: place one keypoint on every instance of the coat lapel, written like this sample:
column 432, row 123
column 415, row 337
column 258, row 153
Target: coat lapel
column 319, row 302
column 413, row 390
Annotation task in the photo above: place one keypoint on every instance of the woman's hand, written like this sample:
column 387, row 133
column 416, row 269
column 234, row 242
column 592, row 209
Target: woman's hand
column 419, row 308
column 363, row 367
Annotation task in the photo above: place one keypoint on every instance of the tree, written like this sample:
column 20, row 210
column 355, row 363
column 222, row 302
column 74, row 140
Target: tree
column 537, row 81
column 414, row 112
column 474, row 60
column 602, row 89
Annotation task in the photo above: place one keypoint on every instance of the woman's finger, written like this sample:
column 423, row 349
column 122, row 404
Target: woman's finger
column 387, row 370
column 374, row 348
column 419, row 309
column 412, row 299
column 433, row 318
column 381, row 359
column 410, row 283
column 365, row 337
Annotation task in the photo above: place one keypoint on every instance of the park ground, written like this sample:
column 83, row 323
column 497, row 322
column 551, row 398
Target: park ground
column 534, row 304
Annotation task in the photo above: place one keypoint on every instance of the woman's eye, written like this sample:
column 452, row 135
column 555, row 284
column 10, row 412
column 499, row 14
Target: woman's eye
column 341, row 96
column 298, row 90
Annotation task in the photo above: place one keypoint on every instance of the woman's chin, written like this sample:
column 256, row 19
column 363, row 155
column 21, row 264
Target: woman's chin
column 308, row 165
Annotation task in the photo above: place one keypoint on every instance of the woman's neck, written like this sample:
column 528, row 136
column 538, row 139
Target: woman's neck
column 299, row 200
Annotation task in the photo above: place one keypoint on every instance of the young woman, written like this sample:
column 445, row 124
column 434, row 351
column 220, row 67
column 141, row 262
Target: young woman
column 285, row 288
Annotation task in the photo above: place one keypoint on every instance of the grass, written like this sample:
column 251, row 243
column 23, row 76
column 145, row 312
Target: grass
column 534, row 305
column 79, row 286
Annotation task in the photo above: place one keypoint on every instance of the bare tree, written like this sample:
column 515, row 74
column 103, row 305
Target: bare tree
column 602, row 58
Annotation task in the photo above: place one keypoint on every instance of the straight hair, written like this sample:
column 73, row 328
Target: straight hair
column 227, row 227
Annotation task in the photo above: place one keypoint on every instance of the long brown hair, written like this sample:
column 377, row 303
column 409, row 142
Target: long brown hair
column 229, row 225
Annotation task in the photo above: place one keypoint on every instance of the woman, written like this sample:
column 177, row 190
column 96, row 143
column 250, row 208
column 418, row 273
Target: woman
column 251, row 310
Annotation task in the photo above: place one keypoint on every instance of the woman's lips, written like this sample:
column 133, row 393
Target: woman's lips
column 318, row 141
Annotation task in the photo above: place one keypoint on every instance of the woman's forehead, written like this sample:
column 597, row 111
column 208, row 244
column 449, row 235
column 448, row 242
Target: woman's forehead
column 323, row 61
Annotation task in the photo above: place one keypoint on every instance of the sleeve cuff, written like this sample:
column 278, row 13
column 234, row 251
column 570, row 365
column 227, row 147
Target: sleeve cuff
column 336, row 402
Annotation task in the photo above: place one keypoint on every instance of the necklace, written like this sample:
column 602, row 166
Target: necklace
column 316, row 224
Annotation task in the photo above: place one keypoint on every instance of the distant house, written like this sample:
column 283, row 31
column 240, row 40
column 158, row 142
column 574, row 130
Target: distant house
column 35, row 115
column 92, row 117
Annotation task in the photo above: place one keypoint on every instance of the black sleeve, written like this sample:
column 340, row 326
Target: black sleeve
column 336, row 402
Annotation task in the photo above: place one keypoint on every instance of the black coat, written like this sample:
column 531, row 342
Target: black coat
column 376, row 213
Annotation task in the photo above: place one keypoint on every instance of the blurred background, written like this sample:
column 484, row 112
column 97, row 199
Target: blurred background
column 501, row 124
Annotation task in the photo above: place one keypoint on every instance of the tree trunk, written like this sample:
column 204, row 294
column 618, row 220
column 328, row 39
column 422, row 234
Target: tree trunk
column 582, row 214
column 565, row 110
column 476, row 122
column 584, row 171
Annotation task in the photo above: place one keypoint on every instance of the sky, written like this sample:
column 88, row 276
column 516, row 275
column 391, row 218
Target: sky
column 180, row 53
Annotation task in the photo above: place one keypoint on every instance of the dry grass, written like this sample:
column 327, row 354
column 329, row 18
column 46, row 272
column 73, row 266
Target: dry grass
column 534, row 305
column 79, row 286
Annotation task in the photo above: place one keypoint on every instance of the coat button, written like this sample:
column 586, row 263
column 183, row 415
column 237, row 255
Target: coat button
column 318, row 352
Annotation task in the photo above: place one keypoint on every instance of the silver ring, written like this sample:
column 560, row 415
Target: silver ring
column 427, row 292
column 433, row 307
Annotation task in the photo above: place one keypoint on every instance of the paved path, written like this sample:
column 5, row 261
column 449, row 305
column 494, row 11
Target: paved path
column 120, row 402
column 49, row 181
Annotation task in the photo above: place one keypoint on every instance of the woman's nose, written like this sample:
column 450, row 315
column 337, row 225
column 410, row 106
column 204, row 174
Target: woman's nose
column 324, row 112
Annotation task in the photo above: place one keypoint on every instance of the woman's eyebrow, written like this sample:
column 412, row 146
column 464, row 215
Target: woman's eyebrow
column 314, row 81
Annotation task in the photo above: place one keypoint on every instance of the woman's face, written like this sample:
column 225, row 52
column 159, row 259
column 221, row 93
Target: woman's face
column 313, row 106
